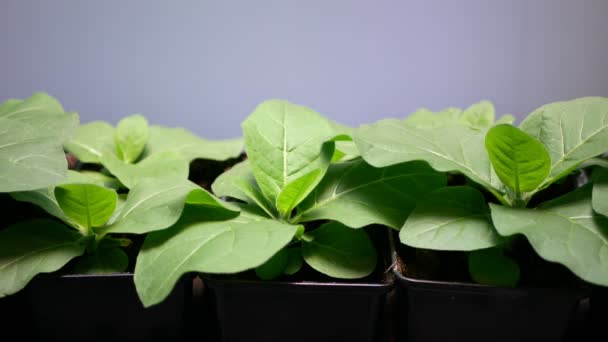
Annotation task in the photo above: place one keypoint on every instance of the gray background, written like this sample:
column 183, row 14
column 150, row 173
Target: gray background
column 205, row 65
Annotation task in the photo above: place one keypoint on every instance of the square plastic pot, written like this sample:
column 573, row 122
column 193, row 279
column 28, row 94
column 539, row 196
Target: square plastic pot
column 103, row 308
column 447, row 311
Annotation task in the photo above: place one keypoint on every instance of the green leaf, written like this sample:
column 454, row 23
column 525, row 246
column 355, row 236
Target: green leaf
column 160, row 165
column 506, row 119
column 155, row 204
column 479, row 116
column 91, row 140
column 572, row 131
column 87, row 205
column 339, row 251
column 453, row 218
column 520, row 161
column 448, row 148
column 565, row 230
column 274, row 267
column 103, row 261
column 230, row 246
column 283, row 143
column 491, row 267
column 358, row 194
column 32, row 247
column 189, row 146
column 600, row 191
column 130, row 137
column 294, row 261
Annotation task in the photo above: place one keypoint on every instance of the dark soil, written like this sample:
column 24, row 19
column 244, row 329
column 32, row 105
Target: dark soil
column 203, row 171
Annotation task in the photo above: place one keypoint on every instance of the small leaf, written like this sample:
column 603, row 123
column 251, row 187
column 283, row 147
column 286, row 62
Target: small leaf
column 227, row 184
column 103, row 261
column 565, row 230
column 294, row 261
column 188, row 146
column 32, row 247
column 358, row 194
column 340, row 252
column 572, row 131
column 491, row 267
column 600, row 191
column 520, row 161
column 283, row 143
column 274, row 267
column 130, row 137
column 479, row 115
column 452, row 218
column 155, row 204
column 506, row 119
column 87, row 205
column 160, row 165
column 90, row 141
column 231, row 246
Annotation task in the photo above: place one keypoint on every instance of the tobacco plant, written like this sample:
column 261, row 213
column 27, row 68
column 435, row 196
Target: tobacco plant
column 303, row 196
column 513, row 164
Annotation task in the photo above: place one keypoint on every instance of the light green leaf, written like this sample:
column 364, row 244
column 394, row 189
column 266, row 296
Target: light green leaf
column 160, row 165
column 425, row 118
column 339, row 251
column 227, row 184
column 294, row 261
column 358, row 194
column 491, row 267
column 600, row 191
column 274, row 267
column 479, row 116
column 346, row 148
column 447, row 148
column 520, row 161
column 90, row 141
column 189, row 146
column 229, row 246
column 283, row 143
column 32, row 247
column 103, row 261
column 453, row 218
column 572, row 131
column 565, row 230
column 506, row 119
column 87, row 205
column 130, row 137
column 155, row 204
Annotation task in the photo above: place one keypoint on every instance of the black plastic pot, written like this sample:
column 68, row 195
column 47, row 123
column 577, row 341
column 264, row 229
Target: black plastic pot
column 103, row 308
column 297, row 311
column 447, row 311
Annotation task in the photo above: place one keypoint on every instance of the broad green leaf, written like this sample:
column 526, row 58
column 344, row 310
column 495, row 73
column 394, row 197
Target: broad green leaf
column 227, row 184
column 491, row 267
column 520, row 161
column 358, row 194
column 572, row 131
column 338, row 251
column 425, row 118
column 88, row 205
column 30, row 158
column 453, row 218
column 91, row 140
column 345, row 149
column 600, row 191
column 479, row 116
column 274, row 267
column 283, row 143
column 130, row 137
column 32, row 247
column 93, row 177
column 294, row 261
column 565, row 230
column 189, row 146
column 230, row 246
column 155, row 204
column 447, row 148
column 103, row 261
column 160, row 165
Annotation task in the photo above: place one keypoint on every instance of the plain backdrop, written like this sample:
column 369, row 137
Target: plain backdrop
column 205, row 65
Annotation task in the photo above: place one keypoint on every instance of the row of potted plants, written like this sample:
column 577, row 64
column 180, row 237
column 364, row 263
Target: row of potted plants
column 482, row 225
